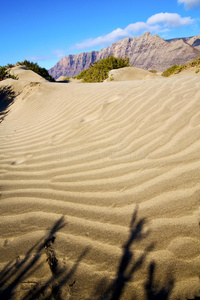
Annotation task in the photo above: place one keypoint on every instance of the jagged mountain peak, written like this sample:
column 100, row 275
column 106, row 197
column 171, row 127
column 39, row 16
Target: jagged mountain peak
column 146, row 51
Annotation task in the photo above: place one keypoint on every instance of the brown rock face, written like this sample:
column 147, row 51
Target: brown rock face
column 146, row 51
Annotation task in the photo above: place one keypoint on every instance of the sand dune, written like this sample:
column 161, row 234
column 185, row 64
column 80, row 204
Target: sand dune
column 100, row 189
column 24, row 74
column 130, row 73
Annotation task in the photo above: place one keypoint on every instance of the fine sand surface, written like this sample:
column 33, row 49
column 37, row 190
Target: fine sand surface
column 130, row 73
column 100, row 190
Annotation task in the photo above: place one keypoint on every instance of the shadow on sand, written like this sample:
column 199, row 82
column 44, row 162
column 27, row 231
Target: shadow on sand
column 7, row 96
column 154, row 292
column 63, row 81
column 16, row 273
column 57, row 287
column 129, row 265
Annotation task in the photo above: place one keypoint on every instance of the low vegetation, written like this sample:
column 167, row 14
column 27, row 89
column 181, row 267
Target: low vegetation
column 195, row 63
column 98, row 71
column 153, row 71
column 7, row 96
column 179, row 68
column 173, row 70
column 4, row 74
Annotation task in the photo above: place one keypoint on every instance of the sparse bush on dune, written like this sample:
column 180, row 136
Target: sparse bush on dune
column 195, row 63
column 98, row 71
column 4, row 71
column 4, row 74
column 37, row 69
column 81, row 75
column 173, row 70
column 153, row 71
column 7, row 96
column 179, row 68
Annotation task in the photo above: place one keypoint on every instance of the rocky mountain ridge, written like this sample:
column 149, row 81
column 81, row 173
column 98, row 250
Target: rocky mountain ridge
column 146, row 52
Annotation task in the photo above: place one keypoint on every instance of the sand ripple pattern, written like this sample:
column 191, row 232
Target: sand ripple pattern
column 119, row 163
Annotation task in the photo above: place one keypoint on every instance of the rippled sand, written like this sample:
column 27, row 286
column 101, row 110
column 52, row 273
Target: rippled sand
column 100, row 189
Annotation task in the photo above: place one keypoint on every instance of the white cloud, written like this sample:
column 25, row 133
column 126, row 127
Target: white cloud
column 189, row 4
column 169, row 20
column 137, row 27
column 156, row 23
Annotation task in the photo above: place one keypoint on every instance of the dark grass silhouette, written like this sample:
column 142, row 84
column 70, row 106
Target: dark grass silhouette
column 154, row 292
column 128, row 265
column 17, row 272
column 7, row 96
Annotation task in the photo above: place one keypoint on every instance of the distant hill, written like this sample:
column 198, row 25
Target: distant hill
column 146, row 51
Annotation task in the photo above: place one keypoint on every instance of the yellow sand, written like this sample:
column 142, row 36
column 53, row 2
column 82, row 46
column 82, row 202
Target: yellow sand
column 112, row 171
column 130, row 73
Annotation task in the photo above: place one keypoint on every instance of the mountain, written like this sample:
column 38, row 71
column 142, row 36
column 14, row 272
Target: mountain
column 146, row 51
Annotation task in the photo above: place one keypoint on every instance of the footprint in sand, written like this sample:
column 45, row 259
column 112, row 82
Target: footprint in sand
column 98, row 113
column 88, row 119
column 58, row 138
column 113, row 98
column 21, row 159
column 5, row 244
column 93, row 116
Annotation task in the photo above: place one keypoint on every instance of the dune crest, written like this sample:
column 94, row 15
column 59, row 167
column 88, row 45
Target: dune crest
column 130, row 73
column 100, row 189
column 24, row 74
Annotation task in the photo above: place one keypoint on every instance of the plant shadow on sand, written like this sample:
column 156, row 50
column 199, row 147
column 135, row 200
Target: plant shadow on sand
column 129, row 265
column 16, row 273
column 154, row 292
column 7, row 96
column 57, row 287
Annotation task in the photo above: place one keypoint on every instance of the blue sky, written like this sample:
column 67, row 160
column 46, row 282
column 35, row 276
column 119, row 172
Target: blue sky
column 45, row 31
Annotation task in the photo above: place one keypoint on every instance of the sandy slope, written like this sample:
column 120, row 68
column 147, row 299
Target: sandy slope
column 112, row 171
column 24, row 74
column 130, row 73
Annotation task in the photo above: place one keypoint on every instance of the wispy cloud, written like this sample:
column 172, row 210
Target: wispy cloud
column 54, row 54
column 103, row 40
column 36, row 58
column 189, row 4
column 59, row 53
column 155, row 24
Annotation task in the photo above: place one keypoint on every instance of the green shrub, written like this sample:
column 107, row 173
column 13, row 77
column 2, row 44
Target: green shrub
column 98, row 71
column 111, row 77
column 195, row 63
column 4, row 74
column 173, row 70
column 7, row 96
column 153, row 71
column 81, row 75
column 179, row 68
